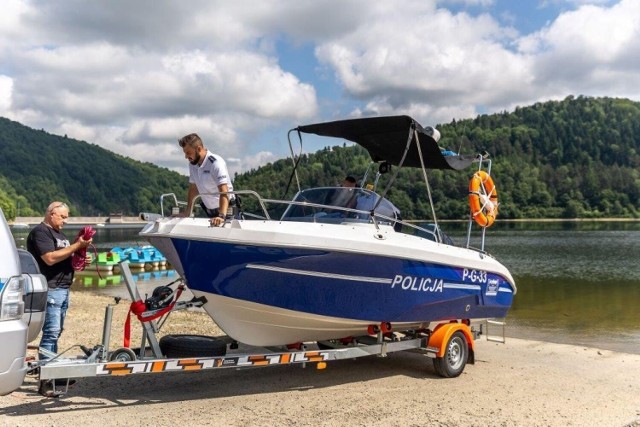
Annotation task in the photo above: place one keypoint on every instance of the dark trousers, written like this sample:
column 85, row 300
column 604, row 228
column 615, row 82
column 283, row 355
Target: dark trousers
column 234, row 206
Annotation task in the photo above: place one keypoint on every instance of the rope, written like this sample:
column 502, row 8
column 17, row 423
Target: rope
column 79, row 257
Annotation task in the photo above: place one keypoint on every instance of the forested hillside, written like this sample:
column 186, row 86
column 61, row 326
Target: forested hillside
column 38, row 167
column 579, row 157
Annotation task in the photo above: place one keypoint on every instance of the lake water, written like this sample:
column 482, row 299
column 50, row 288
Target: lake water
column 578, row 282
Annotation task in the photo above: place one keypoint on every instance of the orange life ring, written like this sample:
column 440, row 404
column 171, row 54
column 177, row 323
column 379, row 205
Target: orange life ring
column 483, row 199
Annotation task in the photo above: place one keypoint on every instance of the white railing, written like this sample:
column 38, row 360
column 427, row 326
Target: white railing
column 350, row 215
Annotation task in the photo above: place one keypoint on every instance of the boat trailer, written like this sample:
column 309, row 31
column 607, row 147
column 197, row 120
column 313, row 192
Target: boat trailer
column 449, row 344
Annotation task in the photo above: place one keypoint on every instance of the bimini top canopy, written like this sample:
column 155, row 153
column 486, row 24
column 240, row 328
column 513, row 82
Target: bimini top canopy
column 385, row 138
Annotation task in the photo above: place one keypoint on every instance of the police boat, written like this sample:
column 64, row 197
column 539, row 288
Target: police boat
column 340, row 262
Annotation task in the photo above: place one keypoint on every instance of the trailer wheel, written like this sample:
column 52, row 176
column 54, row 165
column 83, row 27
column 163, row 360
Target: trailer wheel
column 192, row 346
column 122, row 355
column 455, row 357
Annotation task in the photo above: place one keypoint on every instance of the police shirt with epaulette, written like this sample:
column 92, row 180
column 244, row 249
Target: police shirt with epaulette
column 208, row 176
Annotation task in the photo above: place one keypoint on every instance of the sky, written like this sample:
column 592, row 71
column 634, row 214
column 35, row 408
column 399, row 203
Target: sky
column 133, row 76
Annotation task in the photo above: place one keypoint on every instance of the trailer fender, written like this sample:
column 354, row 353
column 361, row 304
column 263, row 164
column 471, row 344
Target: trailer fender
column 438, row 340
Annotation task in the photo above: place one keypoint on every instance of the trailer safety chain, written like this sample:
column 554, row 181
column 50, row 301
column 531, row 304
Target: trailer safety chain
column 139, row 308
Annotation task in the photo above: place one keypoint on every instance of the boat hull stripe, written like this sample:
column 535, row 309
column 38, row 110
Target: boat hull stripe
column 461, row 286
column 320, row 274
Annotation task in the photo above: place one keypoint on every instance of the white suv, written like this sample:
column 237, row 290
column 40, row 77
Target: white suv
column 20, row 283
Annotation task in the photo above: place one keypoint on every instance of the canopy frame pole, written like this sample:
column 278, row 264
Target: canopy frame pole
column 395, row 174
column 426, row 181
column 294, row 161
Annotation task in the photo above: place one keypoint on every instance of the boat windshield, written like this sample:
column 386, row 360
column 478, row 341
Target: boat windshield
column 339, row 204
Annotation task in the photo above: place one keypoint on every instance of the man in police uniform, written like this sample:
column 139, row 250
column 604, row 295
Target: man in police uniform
column 209, row 177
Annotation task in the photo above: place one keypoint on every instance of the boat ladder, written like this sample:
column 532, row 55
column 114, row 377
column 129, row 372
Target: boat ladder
column 500, row 335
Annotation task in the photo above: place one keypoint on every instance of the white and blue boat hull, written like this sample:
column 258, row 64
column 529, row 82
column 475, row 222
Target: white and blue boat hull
column 274, row 283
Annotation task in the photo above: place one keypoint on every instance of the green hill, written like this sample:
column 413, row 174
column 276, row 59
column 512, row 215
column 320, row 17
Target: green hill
column 579, row 157
column 38, row 167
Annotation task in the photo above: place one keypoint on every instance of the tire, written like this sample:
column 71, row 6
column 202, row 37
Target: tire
column 192, row 346
column 455, row 357
column 122, row 355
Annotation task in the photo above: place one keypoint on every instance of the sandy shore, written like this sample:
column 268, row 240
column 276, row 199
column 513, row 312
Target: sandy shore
column 520, row 383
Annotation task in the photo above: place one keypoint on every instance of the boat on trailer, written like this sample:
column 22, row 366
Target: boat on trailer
column 340, row 262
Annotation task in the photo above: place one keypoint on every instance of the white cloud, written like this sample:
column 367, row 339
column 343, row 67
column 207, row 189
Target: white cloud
column 484, row 3
column 583, row 2
column 256, row 160
column 11, row 32
column 133, row 77
column 591, row 50
column 430, row 61
column 436, row 64
column 114, row 76
column 6, row 90
column 426, row 114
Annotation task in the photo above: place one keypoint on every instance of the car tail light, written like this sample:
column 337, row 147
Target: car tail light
column 11, row 298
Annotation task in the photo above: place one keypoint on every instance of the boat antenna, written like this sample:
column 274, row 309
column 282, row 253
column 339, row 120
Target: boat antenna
column 295, row 160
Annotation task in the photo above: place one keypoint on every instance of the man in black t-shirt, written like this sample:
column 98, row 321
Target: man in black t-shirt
column 52, row 251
